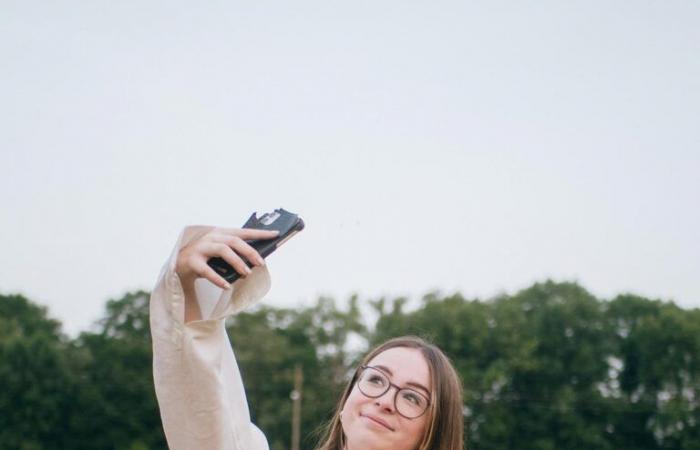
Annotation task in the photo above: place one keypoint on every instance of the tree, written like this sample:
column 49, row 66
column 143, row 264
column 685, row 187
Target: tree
column 549, row 367
column 657, row 378
column 34, row 375
column 116, row 393
column 270, row 342
column 530, row 363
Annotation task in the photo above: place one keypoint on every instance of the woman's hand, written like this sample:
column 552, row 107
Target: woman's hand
column 227, row 243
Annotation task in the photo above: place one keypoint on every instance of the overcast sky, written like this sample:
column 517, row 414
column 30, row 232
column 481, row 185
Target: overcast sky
column 449, row 145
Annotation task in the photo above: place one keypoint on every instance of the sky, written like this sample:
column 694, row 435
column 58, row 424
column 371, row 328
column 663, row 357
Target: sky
column 476, row 147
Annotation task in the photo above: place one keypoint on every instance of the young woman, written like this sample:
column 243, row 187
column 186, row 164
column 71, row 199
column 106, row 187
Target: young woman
column 405, row 395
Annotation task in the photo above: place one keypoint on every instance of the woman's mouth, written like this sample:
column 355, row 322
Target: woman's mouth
column 377, row 420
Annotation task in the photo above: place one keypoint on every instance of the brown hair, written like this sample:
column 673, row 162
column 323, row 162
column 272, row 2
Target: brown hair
column 445, row 429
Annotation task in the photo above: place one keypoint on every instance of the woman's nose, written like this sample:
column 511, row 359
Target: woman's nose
column 386, row 400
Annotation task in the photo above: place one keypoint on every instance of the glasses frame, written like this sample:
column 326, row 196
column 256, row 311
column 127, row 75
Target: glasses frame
column 396, row 393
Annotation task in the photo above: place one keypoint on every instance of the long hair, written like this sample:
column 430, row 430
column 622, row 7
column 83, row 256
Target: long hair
column 445, row 430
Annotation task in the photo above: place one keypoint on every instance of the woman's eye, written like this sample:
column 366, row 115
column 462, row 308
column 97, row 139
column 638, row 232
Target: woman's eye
column 376, row 379
column 413, row 398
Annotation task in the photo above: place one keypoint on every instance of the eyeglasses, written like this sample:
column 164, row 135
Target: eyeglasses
column 373, row 383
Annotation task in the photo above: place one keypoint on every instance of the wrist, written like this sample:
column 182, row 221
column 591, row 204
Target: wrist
column 187, row 280
column 192, row 311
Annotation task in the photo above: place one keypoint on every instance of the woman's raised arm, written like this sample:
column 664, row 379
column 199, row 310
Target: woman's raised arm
column 199, row 388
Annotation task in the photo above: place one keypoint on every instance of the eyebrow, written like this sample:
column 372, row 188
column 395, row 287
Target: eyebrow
column 410, row 383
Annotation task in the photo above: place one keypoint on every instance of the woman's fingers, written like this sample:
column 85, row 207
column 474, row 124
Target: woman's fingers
column 249, row 233
column 225, row 252
column 227, row 243
column 204, row 271
column 242, row 248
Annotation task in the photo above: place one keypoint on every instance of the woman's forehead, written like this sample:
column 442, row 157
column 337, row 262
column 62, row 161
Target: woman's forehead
column 404, row 365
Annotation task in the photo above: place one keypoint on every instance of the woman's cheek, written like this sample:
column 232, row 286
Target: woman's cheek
column 353, row 405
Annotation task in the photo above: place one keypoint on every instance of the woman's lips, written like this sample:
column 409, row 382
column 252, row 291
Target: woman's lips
column 377, row 420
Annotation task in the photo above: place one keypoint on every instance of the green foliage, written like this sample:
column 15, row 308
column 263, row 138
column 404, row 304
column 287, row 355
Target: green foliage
column 270, row 342
column 549, row 367
column 21, row 318
column 117, row 398
column 552, row 367
column 34, row 375
column 659, row 383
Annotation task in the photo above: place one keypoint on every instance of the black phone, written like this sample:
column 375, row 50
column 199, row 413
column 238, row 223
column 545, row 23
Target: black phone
column 288, row 224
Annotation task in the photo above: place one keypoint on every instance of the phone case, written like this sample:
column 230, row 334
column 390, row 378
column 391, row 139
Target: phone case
column 287, row 223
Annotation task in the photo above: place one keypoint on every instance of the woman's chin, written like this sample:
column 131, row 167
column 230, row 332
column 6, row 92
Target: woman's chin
column 366, row 439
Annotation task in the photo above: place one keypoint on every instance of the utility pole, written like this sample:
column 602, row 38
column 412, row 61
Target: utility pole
column 296, row 406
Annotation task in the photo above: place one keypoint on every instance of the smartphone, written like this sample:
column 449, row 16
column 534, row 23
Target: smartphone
column 288, row 224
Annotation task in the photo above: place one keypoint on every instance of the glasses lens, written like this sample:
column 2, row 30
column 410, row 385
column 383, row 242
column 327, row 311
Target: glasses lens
column 410, row 403
column 373, row 383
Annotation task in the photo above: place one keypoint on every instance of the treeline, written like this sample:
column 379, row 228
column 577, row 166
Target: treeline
column 548, row 368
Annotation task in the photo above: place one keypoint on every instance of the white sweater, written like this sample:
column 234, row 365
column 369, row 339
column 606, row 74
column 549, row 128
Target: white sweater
column 199, row 388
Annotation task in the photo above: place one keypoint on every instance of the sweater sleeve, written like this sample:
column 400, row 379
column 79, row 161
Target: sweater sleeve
column 198, row 385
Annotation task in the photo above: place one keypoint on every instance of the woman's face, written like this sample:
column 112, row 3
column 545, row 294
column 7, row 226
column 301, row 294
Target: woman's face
column 374, row 423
